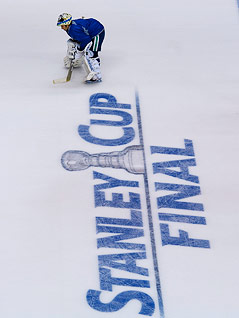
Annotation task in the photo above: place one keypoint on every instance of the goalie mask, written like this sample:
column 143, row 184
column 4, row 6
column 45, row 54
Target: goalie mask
column 64, row 19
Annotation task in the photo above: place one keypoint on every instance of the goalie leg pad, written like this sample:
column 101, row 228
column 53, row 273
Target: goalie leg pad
column 74, row 54
column 92, row 67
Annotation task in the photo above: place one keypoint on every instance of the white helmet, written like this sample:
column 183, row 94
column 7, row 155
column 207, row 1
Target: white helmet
column 64, row 19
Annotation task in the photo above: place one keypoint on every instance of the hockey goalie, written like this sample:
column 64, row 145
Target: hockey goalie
column 84, row 45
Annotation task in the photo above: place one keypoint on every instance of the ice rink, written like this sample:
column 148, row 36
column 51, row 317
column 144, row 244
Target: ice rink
column 149, row 226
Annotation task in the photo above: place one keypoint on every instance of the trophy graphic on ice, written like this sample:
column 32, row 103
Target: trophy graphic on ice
column 131, row 159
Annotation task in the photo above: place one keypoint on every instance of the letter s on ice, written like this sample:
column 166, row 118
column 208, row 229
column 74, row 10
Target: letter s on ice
column 147, row 309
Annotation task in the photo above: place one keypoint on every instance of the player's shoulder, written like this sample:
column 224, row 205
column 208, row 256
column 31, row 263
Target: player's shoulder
column 76, row 22
column 80, row 20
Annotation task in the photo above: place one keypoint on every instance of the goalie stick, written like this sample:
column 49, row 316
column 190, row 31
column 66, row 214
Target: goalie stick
column 68, row 77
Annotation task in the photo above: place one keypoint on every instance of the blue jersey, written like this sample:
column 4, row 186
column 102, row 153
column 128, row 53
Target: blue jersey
column 84, row 30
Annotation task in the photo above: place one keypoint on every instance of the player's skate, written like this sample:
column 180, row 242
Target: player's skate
column 92, row 78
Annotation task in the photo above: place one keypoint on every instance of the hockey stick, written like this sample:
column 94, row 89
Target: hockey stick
column 68, row 77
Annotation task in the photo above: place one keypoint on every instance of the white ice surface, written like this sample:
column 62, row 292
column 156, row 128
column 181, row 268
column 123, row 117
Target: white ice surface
column 182, row 57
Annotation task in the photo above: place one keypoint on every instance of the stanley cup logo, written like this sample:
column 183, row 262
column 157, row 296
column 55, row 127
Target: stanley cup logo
column 130, row 159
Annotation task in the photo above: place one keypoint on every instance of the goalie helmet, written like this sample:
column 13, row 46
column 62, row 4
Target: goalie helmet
column 64, row 19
